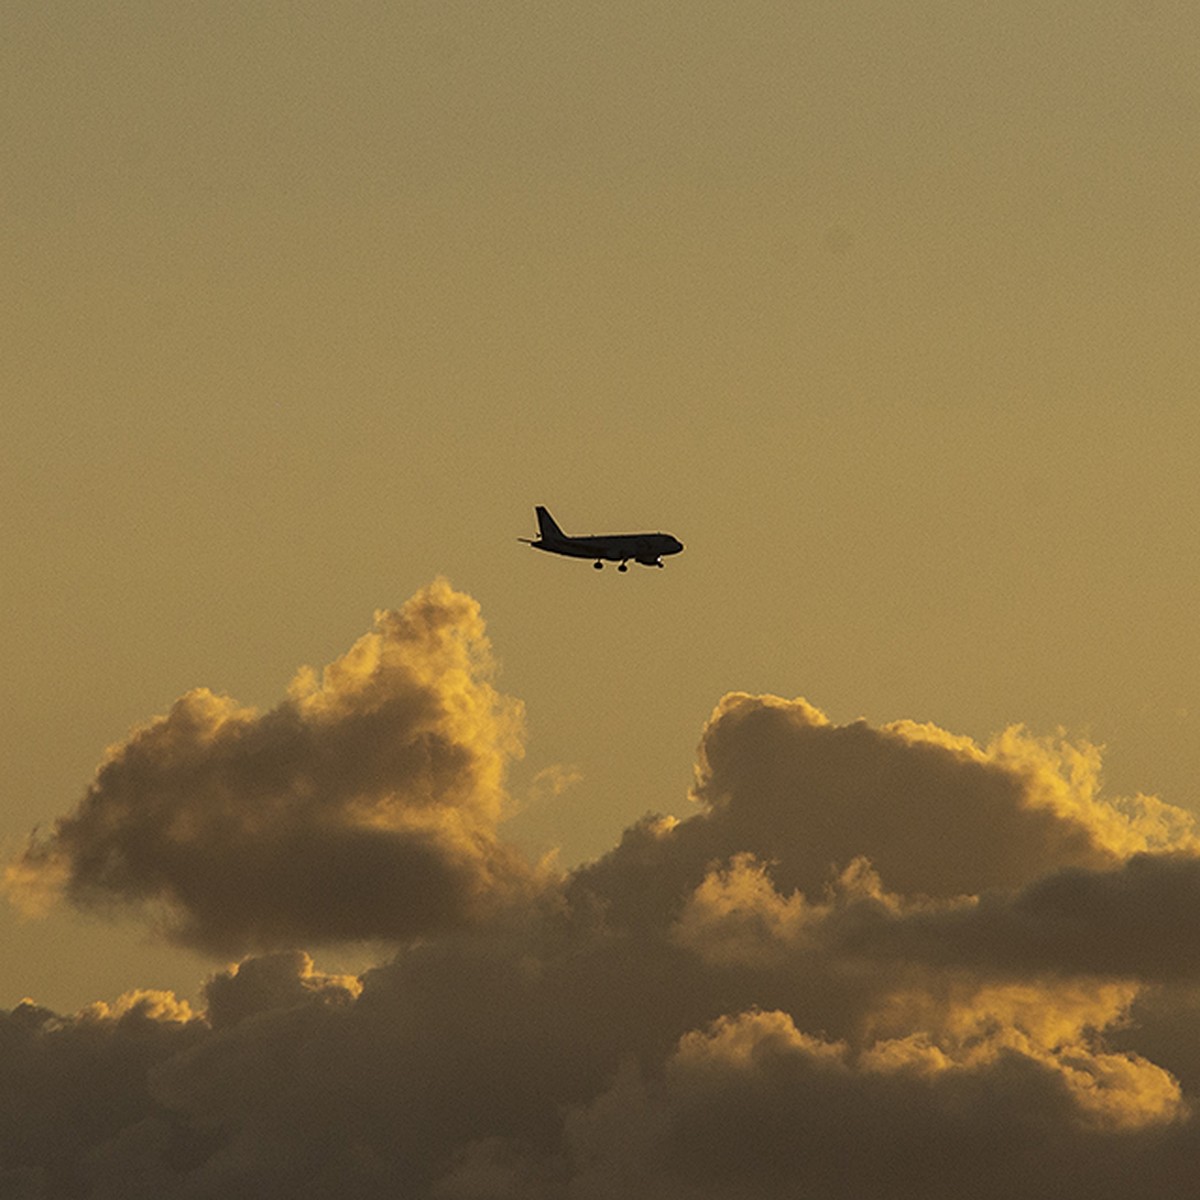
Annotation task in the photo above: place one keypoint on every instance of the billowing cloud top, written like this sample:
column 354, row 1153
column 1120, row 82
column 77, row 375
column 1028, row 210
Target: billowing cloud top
column 871, row 963
column 364, row 805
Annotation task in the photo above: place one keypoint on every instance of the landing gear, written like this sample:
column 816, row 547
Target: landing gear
column 623, row 567
column 598, row 565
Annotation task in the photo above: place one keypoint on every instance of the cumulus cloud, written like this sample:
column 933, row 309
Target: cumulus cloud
column 934, row 813
column 364, row 805
column 752, row 1106
column 869, row 962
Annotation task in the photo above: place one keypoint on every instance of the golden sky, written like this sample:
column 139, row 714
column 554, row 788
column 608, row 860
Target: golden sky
column 886, row 310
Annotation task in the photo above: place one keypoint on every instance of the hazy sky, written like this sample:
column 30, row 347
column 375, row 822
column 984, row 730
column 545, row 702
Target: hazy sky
column 886, row 310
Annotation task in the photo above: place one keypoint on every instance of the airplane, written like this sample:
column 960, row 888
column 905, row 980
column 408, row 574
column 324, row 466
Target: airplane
column 644, row 548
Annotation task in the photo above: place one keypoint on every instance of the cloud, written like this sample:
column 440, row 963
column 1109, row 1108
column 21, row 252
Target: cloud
column 72, row 1084
column 363, row 805
column 1139, row 920
column 752, row 1106
column 550, row 782
column 869, row 962
column 274, row 981
column 934, row 813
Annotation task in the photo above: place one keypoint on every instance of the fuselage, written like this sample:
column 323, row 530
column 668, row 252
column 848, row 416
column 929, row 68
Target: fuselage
column 645, row 548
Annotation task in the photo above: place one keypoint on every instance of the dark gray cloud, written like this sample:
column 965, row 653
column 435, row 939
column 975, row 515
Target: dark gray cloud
column 872, row 963
column 70, row 1086
column 751, row 1107
column 1140, row 920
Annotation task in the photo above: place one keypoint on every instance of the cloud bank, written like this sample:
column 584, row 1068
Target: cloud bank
column 866, row 962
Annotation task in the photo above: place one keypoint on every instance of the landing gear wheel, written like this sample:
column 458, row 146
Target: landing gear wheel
column 598, row 565
column 623, row 567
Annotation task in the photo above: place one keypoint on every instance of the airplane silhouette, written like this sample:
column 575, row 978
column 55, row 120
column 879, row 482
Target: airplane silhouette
column 644, row 548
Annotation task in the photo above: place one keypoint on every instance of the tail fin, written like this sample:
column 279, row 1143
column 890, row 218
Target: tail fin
column 548, row 528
